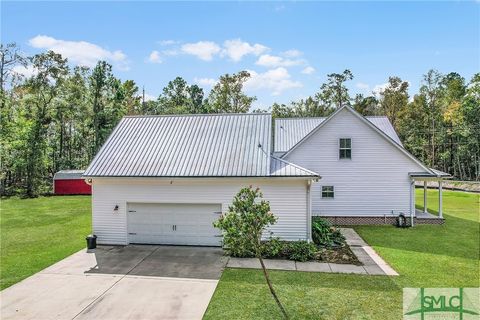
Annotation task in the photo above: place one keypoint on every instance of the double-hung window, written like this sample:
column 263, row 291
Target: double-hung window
column 327, row 192
column 345, row 150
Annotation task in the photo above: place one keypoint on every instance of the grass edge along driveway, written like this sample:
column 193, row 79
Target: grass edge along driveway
column 36, row 233
column 425, row 256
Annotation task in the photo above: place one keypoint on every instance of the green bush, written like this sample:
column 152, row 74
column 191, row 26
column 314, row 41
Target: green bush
column 324, row 234
column 300, row 251
column 243, row 225
column 272, row 248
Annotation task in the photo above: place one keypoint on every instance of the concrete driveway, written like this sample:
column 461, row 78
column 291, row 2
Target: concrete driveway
column 132, row 282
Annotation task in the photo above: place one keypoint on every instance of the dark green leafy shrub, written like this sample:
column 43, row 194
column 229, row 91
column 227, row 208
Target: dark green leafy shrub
column 272, row 248
column 324, row 234
column 300, row 251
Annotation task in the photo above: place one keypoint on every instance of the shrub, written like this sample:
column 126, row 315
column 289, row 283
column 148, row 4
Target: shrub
column 324, row 234
column 300, row 251
column 272, row 248
column 243, row 225
column 235, row 242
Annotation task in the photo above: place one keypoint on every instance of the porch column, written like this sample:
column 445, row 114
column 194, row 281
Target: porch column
column 440, row 213
column 425, row 196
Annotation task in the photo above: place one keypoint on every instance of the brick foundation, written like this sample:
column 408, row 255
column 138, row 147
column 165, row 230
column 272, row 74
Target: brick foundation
column 352, row 220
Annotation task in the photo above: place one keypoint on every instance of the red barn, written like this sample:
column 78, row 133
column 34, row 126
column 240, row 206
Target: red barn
column 70, row 182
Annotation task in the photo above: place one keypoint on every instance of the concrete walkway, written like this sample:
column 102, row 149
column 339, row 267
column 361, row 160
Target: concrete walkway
column 373, row 264
column 132, row 282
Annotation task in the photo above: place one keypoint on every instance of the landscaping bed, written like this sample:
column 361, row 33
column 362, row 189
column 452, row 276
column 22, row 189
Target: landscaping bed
column 342, row 255
column 328, row 245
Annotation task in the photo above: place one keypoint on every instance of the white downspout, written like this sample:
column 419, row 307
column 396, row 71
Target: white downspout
column 425, row 197
column 309, row 211
column 412, row 201
column 440, row 199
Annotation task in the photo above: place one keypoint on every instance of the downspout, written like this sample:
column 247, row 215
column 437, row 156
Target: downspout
column 309, row 211
column 412, row 201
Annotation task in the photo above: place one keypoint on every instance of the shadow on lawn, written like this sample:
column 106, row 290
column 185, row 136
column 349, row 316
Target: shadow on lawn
column 456, row 238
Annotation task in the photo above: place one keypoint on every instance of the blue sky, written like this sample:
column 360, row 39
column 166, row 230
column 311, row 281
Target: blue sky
column 289, row 47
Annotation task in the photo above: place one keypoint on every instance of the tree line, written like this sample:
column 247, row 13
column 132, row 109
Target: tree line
column 55, row 117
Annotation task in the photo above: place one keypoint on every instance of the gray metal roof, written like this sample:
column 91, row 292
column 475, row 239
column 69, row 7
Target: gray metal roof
column 219, row 145
column 289, row 131
column 187, row 146
column 433, row 174
column 282, row 168
column 68, row 174
column 385, row 125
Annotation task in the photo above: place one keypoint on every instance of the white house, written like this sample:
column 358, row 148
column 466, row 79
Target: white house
column 367, row 175
column 165, row 179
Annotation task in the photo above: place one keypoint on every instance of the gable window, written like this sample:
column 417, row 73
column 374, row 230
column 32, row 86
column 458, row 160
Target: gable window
column 345, row 148
column 327, row 192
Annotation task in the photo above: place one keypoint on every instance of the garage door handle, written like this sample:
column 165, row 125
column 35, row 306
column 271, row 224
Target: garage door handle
column 217, row 212
column 132, row 233
column 132, row 211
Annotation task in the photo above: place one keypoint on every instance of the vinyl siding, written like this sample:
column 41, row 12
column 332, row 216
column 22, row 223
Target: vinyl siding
column 288, row 201
column 373, row 183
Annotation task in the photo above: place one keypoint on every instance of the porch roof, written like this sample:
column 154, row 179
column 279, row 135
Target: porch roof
column 434, row 174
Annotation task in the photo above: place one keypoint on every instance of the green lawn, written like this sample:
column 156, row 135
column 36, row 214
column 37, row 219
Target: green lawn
column 426, row 256
column 36, row 233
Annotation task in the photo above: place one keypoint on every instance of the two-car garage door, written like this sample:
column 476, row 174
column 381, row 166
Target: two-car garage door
column 173, row 223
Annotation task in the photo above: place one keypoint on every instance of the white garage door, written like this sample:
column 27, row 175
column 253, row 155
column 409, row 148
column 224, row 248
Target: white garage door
column 175, row 223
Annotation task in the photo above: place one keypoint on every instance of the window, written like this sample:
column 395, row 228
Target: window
column 327, row 192
column 345, row 148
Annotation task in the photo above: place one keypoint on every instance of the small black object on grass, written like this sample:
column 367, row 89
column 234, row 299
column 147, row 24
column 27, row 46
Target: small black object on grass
column 91, row 241
column 402, row 221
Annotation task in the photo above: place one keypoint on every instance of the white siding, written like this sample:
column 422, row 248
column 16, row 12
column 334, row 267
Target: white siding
column 288, row 201
column 373, row 183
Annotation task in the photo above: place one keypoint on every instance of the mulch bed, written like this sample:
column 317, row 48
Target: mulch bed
column 341, row 255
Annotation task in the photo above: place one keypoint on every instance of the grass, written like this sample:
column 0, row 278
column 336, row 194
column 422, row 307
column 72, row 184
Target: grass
column 36, row 233
column 425, row 256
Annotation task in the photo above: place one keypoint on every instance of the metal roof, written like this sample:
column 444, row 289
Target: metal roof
column 282, row 168
column 289, row 131
column 216, row 145
column 386, row 126
column 186, row 146
column 433, row 174
column 68, row 174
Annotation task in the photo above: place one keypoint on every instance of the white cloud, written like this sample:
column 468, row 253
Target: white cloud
column 207, row 82
column 267, row 60
column 363, row 86
column 235, row 49
column 204, row 50
column 80, row 52
column 377, row 89
column 308, row 70
column 27, row 71
column 149, row 97
column 293, row 53
column 155, row 57
column 276, row 80
column 367, row 89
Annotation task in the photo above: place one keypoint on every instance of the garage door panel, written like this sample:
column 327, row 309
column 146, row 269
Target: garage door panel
column 183, row 224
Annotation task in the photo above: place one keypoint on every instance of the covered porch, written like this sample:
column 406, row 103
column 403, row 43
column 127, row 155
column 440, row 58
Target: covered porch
column 423, row 216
